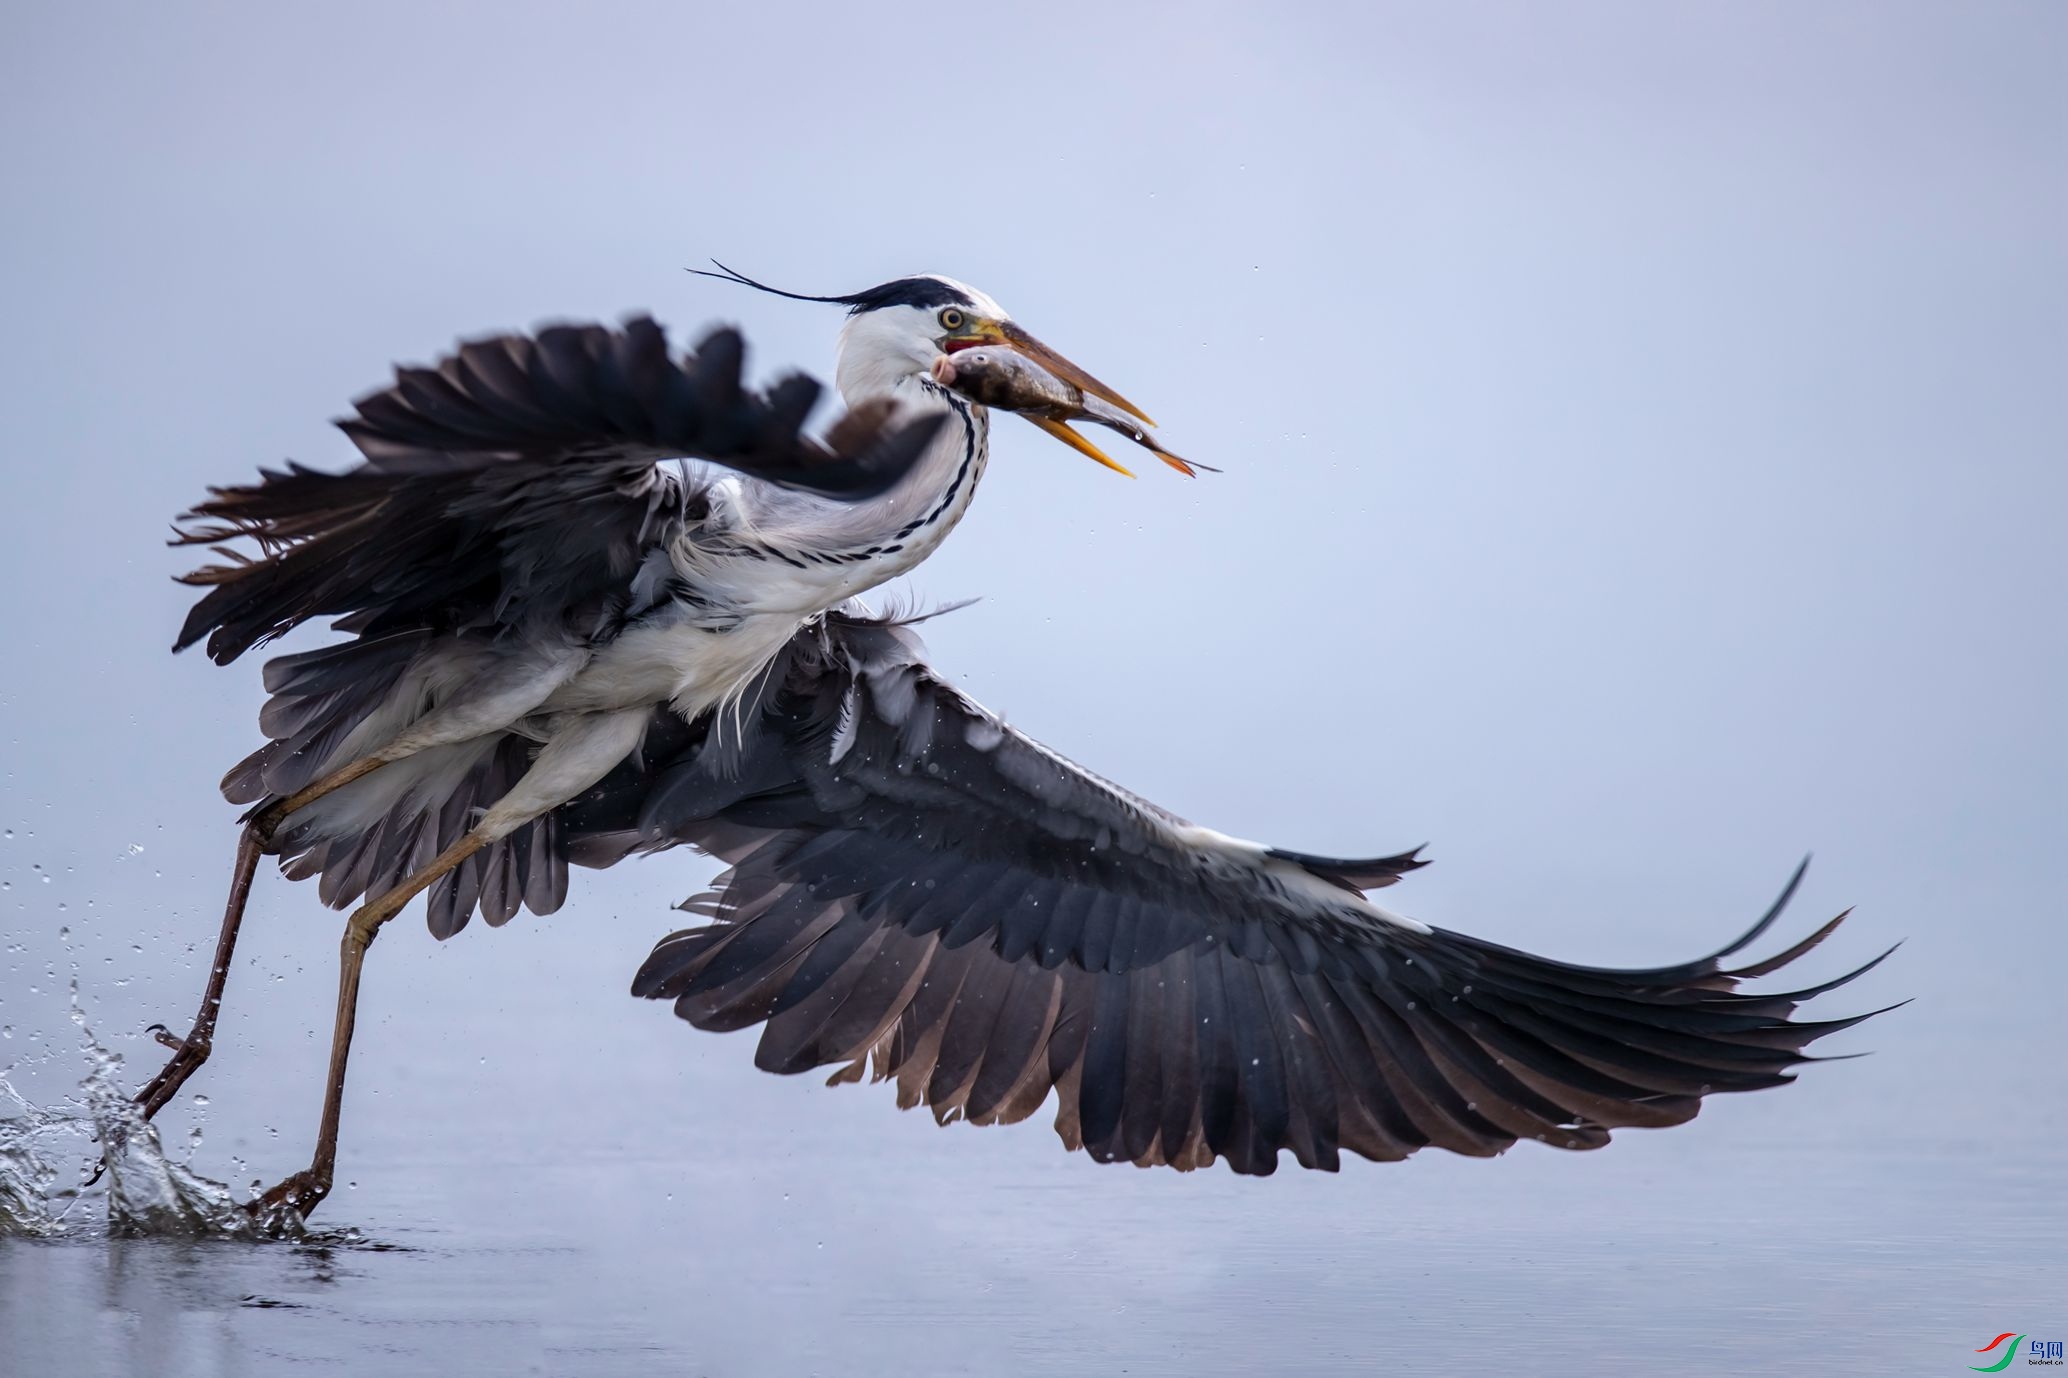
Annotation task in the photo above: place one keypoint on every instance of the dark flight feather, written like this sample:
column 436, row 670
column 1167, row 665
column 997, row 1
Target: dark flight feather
column 921, row 894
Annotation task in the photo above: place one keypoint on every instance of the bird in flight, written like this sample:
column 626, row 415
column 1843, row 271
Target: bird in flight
column 598, row 599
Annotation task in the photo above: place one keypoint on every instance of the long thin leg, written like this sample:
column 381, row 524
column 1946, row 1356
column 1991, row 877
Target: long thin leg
column 579, row 755
column 304, row 1190
column 522, row 686
column 268, row 820
column 190, row 1052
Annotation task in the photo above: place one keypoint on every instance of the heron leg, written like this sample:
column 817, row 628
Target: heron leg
column 304, row 1191
column 267, row 820
column 190, row 1052
column 579, row 755
column 257, row 838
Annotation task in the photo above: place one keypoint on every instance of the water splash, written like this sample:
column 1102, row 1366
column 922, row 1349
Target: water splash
column 27, row 1177
column 144, row 1190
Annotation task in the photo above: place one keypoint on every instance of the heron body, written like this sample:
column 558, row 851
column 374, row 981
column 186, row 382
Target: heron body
column 565, row 647
column 707, row 612
column 718, row 572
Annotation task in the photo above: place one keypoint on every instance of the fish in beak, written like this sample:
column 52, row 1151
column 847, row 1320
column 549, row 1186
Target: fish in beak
column 1000, row 365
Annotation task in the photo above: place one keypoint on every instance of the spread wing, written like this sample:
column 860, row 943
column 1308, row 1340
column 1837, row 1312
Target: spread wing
column 519, row 478
column 922, row 894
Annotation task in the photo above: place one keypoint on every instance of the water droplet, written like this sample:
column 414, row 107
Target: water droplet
column 200, row 1102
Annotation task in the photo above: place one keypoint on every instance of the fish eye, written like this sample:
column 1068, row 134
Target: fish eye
column 952, row 319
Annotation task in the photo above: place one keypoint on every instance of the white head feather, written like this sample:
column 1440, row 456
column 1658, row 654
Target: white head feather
column 882, row 349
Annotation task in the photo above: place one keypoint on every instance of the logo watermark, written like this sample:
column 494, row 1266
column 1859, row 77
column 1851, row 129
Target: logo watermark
column 2042, row 1353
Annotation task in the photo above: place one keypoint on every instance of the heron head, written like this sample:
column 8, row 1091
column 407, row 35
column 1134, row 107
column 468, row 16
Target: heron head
column 895, row 332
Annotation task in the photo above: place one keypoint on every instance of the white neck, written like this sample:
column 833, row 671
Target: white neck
column 820, row 552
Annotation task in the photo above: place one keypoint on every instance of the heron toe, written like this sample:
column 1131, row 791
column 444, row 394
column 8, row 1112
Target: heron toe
column 301, row 1194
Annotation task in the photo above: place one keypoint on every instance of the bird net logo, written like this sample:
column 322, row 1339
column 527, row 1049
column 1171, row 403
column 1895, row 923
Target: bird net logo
column 2046, row 1353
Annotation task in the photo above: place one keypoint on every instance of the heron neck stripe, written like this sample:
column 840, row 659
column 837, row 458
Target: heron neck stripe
column 969, row 454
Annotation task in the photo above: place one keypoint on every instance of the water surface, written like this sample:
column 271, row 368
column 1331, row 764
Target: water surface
column 637, row 1200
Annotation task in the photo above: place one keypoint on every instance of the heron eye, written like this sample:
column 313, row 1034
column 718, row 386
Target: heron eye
column 952, row 319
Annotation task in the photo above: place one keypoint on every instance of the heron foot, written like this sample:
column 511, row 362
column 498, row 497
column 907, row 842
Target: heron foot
column 301, row 1193
column 187, row 1056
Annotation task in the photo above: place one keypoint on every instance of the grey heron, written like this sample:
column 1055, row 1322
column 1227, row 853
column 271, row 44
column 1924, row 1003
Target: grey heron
column 561, row 648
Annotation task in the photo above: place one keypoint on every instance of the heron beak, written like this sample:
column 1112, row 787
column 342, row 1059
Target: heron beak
column 1009, row 333
column 1079, row 443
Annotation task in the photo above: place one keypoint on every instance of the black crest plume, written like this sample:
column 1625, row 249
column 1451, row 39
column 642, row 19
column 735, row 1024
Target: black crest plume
column 923, row 292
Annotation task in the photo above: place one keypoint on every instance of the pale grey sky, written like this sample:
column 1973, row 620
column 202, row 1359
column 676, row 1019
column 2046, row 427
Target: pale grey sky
column 1644, row 441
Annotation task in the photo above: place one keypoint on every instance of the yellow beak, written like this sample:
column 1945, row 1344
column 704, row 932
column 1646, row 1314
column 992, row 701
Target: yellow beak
column 982, row 331
column 1008, row 332
column 1078, row 443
